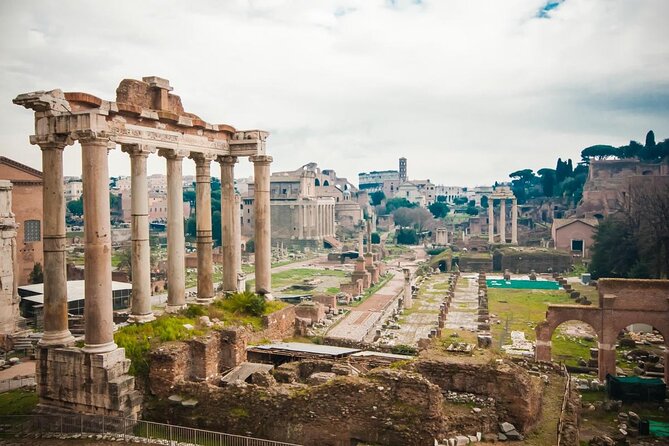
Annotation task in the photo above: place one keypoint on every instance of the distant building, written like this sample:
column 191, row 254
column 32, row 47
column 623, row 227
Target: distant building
column 73, row 190
column 411, row 193
column 403, row 170
column 381, row 180
column 27, row 208
column 574, row 235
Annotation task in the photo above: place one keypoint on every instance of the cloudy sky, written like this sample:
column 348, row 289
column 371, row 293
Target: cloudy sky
column 467, row 90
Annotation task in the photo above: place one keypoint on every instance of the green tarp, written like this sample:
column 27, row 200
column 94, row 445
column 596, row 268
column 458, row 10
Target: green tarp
column 658, row 428
column 523, row 284
column 635, row 388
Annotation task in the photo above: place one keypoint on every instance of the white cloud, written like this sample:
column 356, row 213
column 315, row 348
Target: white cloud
column 467, row 91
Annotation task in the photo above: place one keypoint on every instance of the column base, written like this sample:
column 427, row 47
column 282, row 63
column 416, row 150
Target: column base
column 174, row 308
column 204, row 301
column 107, row 389
column 141, row 318
column 99, row 348
column 57, row 339
column 268, row 296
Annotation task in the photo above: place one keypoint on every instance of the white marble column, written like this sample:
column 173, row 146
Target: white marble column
column 491, row 220
column 176, row 263
column 205, row 267
column 263, row 234
column 98, row 309
column 228, row 215
column 502, row 220
column 514, row 222
column 140, row 310
column 56, row 331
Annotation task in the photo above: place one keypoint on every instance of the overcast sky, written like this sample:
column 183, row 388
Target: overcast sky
column 467, row 90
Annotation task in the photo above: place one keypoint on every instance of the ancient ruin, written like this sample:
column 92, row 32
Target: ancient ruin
column 502, row 194
column 622, row 302
column 145, row 118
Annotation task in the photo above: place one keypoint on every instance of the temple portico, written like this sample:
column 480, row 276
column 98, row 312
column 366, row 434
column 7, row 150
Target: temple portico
column 145, row 119
column 501, row 195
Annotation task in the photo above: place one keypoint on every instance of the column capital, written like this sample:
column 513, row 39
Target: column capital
column 261, row 159
column 138, row 149
column 51, row 141
column 202, row 158
column 178, row 154
column 227, row 159
column 93, row 137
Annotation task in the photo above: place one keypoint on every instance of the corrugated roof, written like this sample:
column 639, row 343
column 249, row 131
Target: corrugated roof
column 75, row 290
column 316, row 349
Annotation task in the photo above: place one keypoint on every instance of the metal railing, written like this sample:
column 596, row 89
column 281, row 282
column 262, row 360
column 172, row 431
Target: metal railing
column 65, row 426
column 16, row 383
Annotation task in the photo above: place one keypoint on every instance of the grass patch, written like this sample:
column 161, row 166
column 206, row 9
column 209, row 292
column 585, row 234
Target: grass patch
column 18, row 402
column 520, row 310
column 283, row 279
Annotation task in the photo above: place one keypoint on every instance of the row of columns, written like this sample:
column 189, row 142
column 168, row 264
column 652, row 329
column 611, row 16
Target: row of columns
column 98, row 309
column 325, row 219
column 502, row 221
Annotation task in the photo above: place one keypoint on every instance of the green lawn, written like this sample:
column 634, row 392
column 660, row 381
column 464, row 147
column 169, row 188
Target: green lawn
column 297, row 276
column 17, row 402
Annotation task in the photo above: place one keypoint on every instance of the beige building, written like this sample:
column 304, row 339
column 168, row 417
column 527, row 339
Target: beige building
column 300, row 217
column 27, row 208
column 73, row 190
column 9, row 300
column 574, row 235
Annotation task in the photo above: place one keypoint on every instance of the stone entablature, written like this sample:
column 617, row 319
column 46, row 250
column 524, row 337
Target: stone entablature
column 622, row 302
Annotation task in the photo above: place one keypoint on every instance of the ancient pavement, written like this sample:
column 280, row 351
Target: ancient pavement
column 360, row 322
column 463, row 311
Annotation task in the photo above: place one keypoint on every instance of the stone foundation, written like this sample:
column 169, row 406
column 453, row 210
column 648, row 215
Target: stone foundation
column 69, row 380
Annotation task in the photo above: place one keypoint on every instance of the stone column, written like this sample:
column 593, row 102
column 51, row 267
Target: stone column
column 228, row 215
column 237, row 232
column 176, row 263
column 263, row 233
column 514, row 222
column 502, row 220
column 56, row 332
column 606, row 359
column 98, row 311
column 141, row 250
column 491, row 221
column 205, row 267
column 408, row 301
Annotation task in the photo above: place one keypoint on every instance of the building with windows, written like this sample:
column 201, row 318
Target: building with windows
column 73, row 189
column 574, row 235
column 27, row 208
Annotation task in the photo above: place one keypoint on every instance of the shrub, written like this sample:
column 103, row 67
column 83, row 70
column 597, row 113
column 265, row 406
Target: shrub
column 376, row 238
column 194, row 311
column 246, row 302
column 403, row 349
column 435, row 251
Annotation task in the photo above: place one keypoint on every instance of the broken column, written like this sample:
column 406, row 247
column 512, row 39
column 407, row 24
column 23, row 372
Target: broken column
column 408, row 302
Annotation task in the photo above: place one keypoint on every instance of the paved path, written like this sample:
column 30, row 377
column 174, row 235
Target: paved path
column 463, row 311
column 362, row 320
column 423, row 315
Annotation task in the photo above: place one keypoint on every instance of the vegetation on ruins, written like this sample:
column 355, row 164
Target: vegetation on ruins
column 650, row 152
column 37, row 274
column 239, row 309
column 191, row 225
column 438, row 209
column 377, row 197
column 634, row 243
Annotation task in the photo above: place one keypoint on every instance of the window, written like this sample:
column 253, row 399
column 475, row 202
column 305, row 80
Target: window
column 577, row 245
column 31, row 231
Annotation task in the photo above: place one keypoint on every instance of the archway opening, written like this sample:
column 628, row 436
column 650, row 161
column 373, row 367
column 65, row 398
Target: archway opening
column 640, row 351
column 574, row 343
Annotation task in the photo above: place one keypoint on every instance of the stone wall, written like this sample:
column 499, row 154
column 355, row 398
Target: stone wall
column 387, row 407
column 278, row 325
column 524, row 261
column 475, row 263
column 517, row 395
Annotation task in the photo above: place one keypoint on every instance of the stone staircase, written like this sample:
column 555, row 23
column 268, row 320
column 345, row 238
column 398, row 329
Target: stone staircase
column 25, row 341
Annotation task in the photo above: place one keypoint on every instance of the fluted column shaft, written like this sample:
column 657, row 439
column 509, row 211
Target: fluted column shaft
column 514, row 222
column 263, row 234
column 176, row 264
column 491, row 221
column 141, row 249
column 56, row 332
column 205, row 267
column 98, row 311
column 502, row 220
column 237, row 233
column 228, row 216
